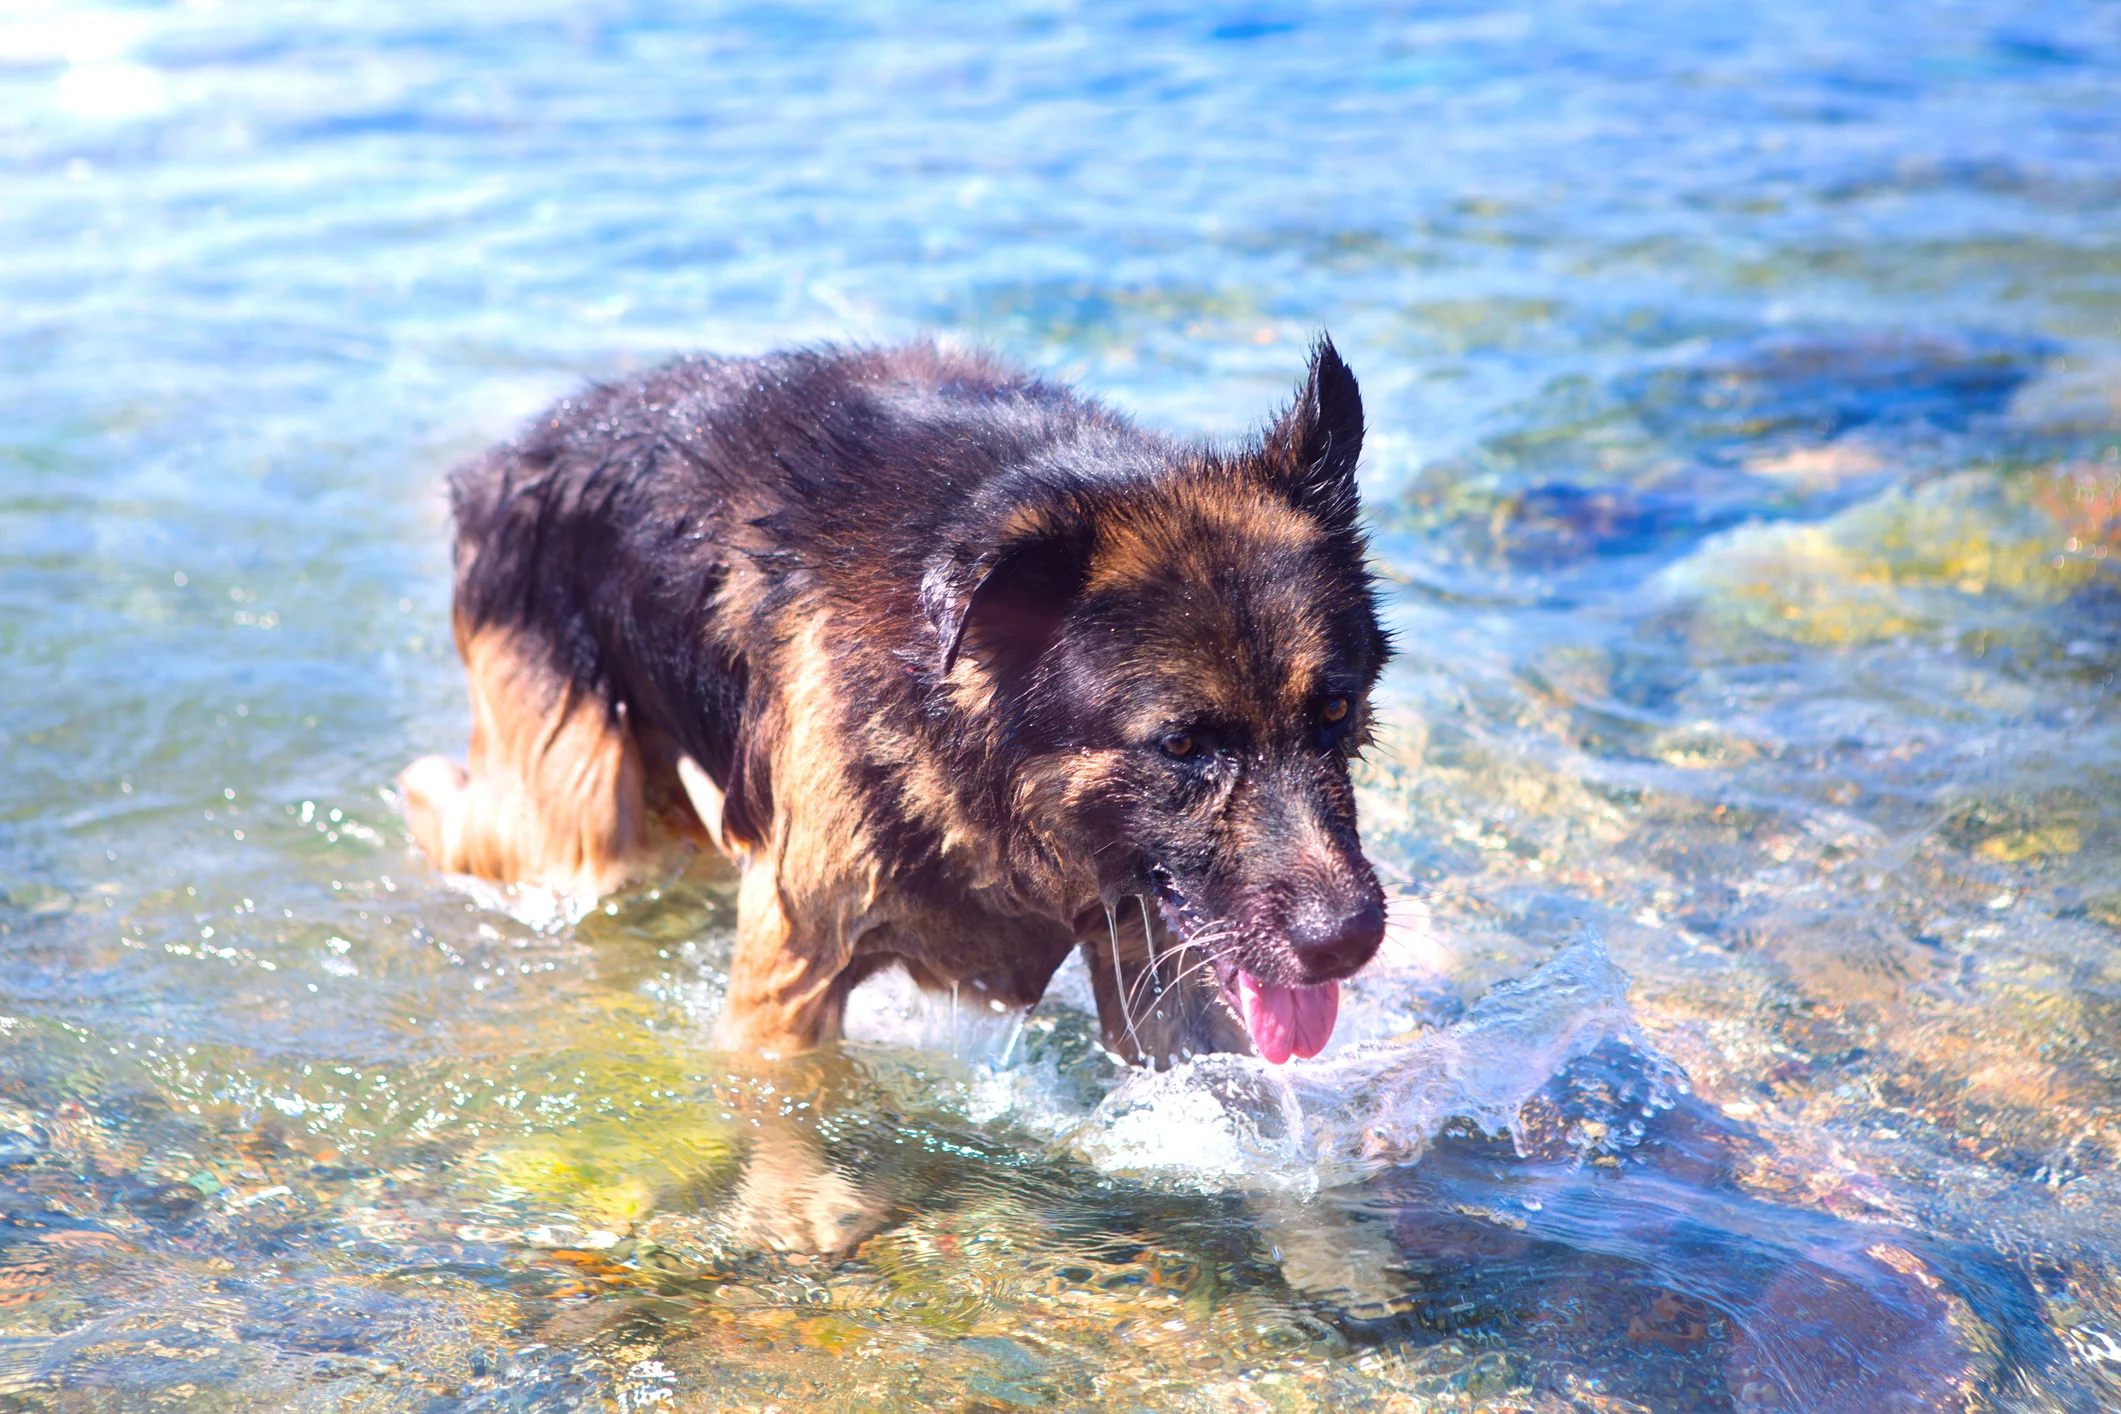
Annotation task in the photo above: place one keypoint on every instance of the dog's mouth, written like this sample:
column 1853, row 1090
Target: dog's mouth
column 1282, row 1020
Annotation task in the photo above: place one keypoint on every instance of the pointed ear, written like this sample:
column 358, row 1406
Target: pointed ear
column 1004, row 602
column 1313, row 447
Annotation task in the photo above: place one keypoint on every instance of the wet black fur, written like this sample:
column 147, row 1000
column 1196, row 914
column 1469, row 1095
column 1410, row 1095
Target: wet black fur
column 930, row 503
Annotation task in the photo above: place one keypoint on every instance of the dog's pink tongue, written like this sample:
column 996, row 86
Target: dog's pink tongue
column 1286, row 1021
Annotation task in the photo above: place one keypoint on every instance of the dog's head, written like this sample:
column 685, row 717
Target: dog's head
column 1181, row 647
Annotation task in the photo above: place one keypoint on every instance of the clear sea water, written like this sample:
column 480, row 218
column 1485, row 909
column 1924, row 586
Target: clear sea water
column 1745, row 394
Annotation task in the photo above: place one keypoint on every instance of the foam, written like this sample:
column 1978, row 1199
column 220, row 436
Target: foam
column 535, row 906
column 1222, row 1121
column 890, row 1009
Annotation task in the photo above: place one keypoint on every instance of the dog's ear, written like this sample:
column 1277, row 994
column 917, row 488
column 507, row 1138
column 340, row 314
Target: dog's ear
column 1006, row 599
column 1312, row 448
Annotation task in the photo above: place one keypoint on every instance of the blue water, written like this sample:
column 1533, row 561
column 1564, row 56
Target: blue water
column 1745, row 466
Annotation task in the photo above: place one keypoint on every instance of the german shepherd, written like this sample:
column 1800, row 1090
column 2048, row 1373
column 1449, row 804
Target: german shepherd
column 962, row 670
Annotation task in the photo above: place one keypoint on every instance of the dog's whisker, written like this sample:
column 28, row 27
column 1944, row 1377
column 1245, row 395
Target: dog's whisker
column 1203, row 944
column 1186, row 969
column 1132, row 992
column 1119, row 979
column 1443, row 891
column 1205, row 961
column 1200, row 966
column 1148, row 940
column 1144, row 978
column 1179, row 947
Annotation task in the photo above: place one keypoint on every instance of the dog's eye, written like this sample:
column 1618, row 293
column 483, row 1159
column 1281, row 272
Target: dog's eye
column 1178, row 744
column 1334, row 709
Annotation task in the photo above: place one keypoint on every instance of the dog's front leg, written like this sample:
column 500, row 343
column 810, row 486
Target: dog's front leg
column 784, row 995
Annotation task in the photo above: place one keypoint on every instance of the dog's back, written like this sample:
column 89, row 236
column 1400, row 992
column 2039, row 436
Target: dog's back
column 651, row 539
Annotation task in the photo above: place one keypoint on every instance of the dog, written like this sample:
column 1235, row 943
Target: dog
column 960, row 668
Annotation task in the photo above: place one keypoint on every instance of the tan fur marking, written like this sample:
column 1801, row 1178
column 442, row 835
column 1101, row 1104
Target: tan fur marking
column 706, row 798
column 784, row 992
column 554, row 791
column 1185, row 539
column 1210, row 535
column 1304, row 659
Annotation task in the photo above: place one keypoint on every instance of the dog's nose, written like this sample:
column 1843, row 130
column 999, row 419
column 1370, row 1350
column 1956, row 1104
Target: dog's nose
column 1330, row 946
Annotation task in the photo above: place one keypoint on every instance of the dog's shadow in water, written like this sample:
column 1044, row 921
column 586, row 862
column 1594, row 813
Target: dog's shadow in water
column 1643, row 1261
column 1643, row 1267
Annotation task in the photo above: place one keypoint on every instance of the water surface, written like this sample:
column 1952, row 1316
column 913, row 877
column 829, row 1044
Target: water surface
column 1745, row 469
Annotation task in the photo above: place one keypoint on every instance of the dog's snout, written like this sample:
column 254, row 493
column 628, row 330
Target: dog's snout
column 1332, row 945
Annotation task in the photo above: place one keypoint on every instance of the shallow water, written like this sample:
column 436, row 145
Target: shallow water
column 1745, row 393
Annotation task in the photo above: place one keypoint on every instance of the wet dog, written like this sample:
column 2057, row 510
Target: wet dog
column 962, row 670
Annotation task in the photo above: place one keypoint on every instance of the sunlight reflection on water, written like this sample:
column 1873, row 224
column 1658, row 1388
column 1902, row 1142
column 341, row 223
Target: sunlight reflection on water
column 1744, row 473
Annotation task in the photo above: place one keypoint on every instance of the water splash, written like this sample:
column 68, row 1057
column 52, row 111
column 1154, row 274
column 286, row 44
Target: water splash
column 891, row 1009
column 1226, row 1120
column 535, row 906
